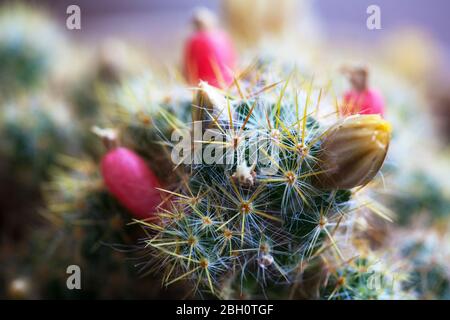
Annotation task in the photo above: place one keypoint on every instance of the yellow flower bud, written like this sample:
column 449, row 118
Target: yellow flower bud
column 211, row 99
column 353, row 151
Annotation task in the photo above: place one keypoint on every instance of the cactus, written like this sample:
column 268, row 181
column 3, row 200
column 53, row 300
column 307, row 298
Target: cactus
column 86, row 222
column 88, row 225
column 357, row 281
column 428, row 256
column 415, row 186
column 255, row 220
column 145, row 115
column 26, row 59
column 107, row 67
column 34, row 130
column 420, row 194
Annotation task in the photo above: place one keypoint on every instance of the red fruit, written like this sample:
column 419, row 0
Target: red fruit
column 209, row 54
column 367, row 101
column 128, row 178
column 361, row 99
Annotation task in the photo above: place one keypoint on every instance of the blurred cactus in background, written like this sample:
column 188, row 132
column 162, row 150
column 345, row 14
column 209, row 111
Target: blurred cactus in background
column 108, row 65
column 427, row 253
column 35, row 121
column 26, row 61
column 89, row 226
column 368, row 276
column 415, row 185
column 34, row 131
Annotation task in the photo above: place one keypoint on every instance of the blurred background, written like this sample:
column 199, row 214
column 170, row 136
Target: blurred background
column 52, row 90
column 162, row 24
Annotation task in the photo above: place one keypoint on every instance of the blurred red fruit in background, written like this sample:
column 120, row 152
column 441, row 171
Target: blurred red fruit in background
column 209, row 54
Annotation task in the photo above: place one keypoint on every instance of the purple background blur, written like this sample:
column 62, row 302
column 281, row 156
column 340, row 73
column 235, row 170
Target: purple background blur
column 160, row 23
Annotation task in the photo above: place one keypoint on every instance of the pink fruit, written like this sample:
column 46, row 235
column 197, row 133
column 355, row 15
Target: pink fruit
column 361, row 99
column 128, row 178
column 367, row 101
column 209, row 55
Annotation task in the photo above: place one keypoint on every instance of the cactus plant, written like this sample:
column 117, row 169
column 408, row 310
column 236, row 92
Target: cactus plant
column 86, row 220
column 255, row 220
column 34, row 130
column 426, row 251
column 26, row 59
column 365, row 279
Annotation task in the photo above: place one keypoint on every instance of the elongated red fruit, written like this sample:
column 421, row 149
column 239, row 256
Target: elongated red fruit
column 209, row 54
column 361, row 99
column 128, row 178
column 368, row 101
